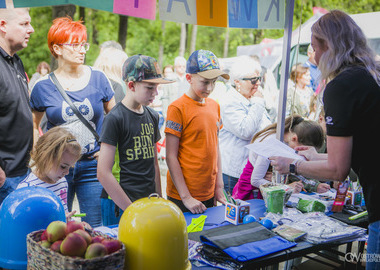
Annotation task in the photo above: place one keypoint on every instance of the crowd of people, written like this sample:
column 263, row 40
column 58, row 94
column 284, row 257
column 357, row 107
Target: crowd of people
column 104, row 122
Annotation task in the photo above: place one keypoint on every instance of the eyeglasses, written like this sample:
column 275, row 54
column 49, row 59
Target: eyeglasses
column 253, row 80
column 78, row 46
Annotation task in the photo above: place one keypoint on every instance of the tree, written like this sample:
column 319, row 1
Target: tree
column 61, row 11
column 193, row 41
column 182, row 44
column 226, row 41
column 151, row 38
column 123, row 31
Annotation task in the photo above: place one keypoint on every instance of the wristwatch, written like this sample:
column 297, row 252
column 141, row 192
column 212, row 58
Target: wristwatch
column 293, row 167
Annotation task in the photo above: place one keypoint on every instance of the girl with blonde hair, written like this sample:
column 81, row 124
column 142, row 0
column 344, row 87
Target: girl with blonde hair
column 54, row 154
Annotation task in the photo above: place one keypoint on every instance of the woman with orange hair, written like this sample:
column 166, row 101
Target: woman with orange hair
column 91, row 93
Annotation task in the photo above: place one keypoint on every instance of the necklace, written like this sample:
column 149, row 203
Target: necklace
column 72, row 83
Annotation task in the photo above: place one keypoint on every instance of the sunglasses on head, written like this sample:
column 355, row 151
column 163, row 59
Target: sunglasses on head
column 253, row 80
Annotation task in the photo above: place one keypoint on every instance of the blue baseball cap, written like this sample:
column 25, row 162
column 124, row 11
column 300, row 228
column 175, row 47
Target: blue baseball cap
column 205, row 64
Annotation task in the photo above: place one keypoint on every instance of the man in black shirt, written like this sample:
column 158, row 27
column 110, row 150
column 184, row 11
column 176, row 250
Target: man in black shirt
column 16, row 125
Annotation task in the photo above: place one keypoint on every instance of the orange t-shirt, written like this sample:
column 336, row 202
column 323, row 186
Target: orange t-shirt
column 197, row 126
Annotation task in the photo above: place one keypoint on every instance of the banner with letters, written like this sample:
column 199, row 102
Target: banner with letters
column 219, row 13
column 225, row 13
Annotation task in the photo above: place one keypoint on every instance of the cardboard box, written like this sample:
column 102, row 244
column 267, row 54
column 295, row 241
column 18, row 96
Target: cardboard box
column 354, row 197
column 236, row 213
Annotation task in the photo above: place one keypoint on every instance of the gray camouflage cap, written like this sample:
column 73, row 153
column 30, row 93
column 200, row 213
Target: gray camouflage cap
column 142, row 68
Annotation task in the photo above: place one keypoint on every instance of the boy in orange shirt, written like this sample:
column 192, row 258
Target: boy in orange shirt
column 194, row 181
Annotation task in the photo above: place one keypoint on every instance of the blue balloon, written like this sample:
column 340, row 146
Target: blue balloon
column 249, row 219
column 267, row 223
column 25, row 210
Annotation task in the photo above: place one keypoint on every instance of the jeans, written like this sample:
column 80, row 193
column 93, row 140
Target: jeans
column 10, row 185
column 373, row 246
column 83, row 182
column 111, row 213
column 229, row 183
column 161, row 120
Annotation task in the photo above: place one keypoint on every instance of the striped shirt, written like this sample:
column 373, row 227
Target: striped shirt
column 59, row 188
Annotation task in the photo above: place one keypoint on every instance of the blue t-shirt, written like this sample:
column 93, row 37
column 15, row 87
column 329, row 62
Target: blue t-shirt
column 46, row 97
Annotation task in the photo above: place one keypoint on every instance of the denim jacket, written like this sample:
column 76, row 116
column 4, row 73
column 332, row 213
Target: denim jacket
column 241, row 119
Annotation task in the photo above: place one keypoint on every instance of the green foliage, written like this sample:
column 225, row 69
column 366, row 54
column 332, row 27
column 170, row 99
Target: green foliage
column 37, row 50
column 145, row 36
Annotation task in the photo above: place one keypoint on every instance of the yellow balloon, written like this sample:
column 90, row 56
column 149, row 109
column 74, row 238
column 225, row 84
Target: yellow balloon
column 154, row 233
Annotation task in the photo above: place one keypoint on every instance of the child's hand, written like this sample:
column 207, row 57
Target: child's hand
column 2, row 177
column 336, row 184
column 195, row 206
column 219, row 196
column 86, row 225
column 323, row 187
column 268, row 176
column 70, row 215
column 96, row 155
column 297, row 186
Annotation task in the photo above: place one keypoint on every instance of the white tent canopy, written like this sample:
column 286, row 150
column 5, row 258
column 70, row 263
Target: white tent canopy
column 270, row 51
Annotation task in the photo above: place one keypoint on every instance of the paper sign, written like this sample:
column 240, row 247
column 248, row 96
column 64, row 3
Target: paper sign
column 197, row 224
column 183, row 11
column 242, row 13
column 273, row 147
column 95, row 4
column 39, row 3
column 136, row 8
column 271, row 14
column 212, row 12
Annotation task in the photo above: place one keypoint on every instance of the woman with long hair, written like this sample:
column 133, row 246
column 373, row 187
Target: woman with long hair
column 351, row 101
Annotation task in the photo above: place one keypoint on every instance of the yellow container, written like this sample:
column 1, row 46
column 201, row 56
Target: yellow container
column 154, row 233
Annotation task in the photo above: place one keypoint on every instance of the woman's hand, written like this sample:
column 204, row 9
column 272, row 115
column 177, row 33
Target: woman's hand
column 281, row 164
column 258, row 94
column 309, row 152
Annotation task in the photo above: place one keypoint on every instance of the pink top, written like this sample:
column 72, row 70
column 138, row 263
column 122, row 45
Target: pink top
column 243, row 189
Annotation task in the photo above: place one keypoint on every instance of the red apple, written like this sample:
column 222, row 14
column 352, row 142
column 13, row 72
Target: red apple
column 73, row 225
column 111, row 245
column 56, row 246
column 56, row 231
column 97, row 239
column 43, row 236
column 85, row 235
column 74, row 245
column 45, row 243
column 95, row 250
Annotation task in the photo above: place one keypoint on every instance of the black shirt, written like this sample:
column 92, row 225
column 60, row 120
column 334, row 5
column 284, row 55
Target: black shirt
column 135, row 136
column 352, row 108
column 16, row 124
